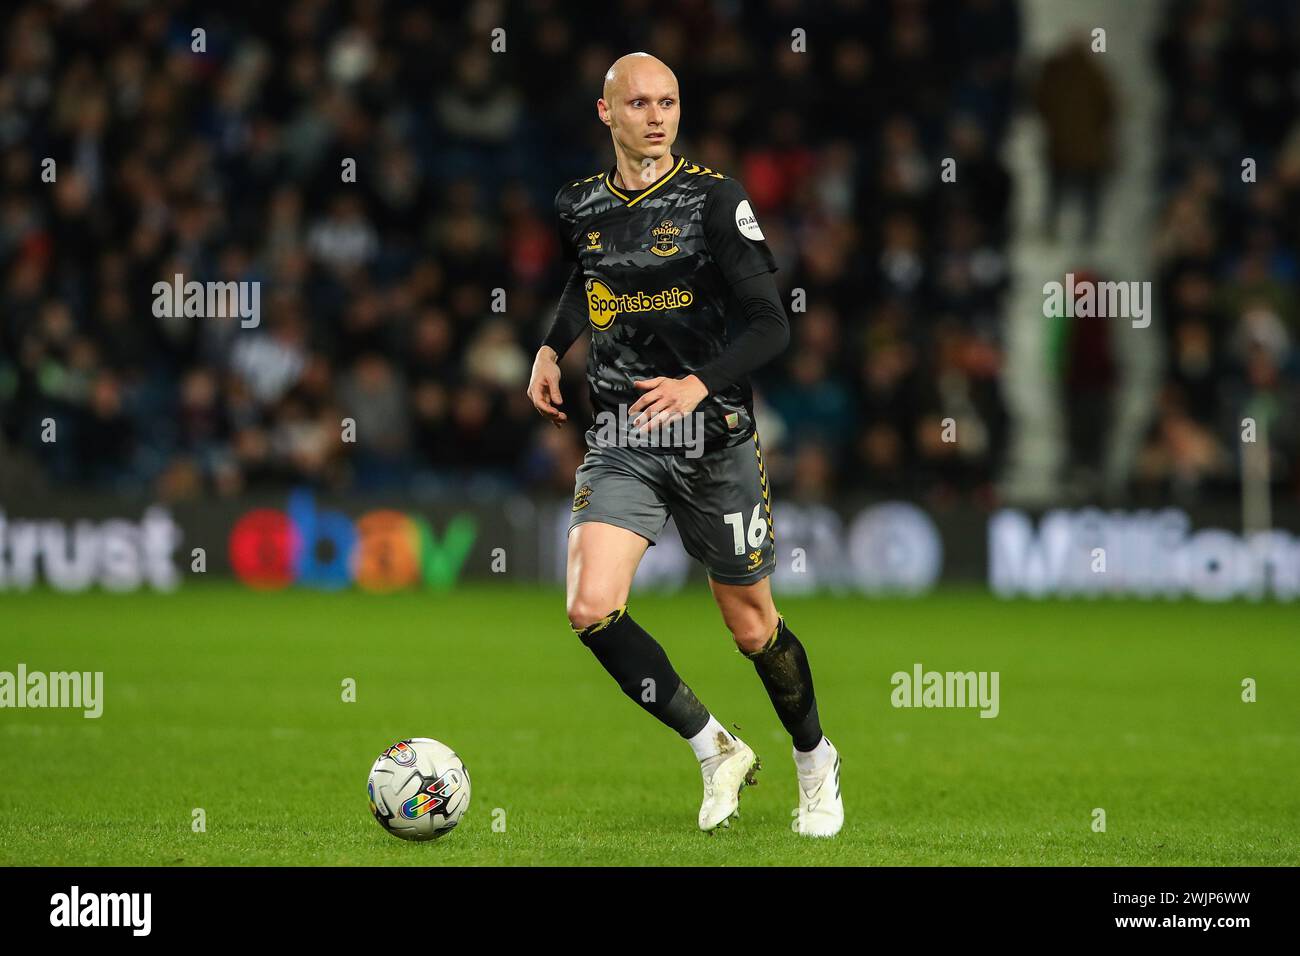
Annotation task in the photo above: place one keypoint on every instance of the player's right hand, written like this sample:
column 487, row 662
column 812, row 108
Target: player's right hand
column 544, row 386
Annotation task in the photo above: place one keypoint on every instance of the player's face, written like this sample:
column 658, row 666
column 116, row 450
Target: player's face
column 643, row 115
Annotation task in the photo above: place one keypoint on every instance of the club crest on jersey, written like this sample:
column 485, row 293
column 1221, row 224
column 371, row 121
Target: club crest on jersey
column 593, row 242
column 665, row 236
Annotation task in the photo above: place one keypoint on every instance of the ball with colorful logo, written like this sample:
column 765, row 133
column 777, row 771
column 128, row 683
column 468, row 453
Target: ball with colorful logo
column 419, row 789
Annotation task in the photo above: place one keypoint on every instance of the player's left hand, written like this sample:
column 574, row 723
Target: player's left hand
column 666, row 400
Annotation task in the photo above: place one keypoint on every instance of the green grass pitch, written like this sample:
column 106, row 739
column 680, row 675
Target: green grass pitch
column 230, row 700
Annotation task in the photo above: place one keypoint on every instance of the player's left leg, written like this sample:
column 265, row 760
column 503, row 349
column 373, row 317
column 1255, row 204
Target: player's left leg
column 762, row 635
column 721, row 503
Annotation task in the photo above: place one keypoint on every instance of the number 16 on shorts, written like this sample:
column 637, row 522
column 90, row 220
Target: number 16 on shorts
column 757, row 528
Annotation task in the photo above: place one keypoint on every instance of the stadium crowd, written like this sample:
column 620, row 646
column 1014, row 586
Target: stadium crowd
column 1226, row 248
column 379, row 298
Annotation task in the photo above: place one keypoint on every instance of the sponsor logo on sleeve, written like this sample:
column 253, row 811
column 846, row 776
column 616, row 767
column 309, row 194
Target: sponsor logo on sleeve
column 747, row 222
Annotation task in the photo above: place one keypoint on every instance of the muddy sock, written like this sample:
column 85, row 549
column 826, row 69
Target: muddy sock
column 783, row 668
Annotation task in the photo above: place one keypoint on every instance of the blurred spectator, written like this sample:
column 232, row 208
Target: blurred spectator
column 1077, row 106
column 1088, row 378
column 1228, row 247
column 379, row 294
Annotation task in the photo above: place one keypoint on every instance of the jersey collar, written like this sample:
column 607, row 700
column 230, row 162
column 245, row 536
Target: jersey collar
column 609, row 183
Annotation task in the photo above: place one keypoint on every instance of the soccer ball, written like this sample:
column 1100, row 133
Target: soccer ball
column 419, row 789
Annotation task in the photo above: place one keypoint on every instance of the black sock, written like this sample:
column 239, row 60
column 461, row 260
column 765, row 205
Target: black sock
column 783, row 668
column 639, row 664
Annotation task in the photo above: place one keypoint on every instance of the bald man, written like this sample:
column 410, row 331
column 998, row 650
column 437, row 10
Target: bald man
column 667, row 254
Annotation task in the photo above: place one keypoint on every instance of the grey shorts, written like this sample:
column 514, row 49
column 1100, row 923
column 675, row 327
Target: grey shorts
column 720, row 502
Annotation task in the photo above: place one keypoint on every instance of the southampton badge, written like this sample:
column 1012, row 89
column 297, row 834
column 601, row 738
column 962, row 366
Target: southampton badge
column 665, row 235
column 580, row 499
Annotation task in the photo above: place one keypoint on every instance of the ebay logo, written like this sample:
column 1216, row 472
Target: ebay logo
column 380, row 551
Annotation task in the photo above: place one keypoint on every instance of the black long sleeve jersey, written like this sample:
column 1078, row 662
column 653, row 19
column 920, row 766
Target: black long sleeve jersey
column 659, row 270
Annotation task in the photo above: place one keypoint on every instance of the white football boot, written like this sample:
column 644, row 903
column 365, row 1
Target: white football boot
column 821, row 811
column 725, row 775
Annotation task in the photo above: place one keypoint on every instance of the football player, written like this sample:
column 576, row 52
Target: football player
column 667, row 254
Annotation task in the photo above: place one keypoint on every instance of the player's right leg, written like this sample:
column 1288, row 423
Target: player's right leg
column 602, row 559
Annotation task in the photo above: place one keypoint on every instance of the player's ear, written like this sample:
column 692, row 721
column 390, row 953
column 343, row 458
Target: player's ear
column 602, row 110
